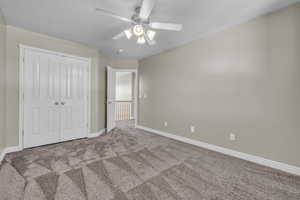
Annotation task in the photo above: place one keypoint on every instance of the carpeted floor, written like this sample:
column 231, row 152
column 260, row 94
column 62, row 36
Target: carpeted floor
column 136, row 165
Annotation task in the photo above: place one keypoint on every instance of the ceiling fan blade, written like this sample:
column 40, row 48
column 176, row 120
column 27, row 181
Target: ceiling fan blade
column 111, row 14
column 166, row 26
column 119, row 36
column 149, row 42
column 146, row 9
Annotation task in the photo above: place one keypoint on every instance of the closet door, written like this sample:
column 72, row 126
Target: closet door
column 74, row 99
column 41, row 99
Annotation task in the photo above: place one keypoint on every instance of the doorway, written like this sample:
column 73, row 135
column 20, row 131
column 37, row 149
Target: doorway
column 121, row 96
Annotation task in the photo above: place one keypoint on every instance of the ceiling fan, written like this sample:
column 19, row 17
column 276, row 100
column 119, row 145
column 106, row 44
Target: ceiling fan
column 142, row 28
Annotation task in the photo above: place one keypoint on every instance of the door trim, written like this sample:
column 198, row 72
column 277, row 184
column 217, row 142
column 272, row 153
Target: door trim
column 22, row 49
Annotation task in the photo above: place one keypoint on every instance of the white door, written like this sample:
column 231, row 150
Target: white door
column 111, row 99
column 74, row 99
column 55, row 98
column 41, row 99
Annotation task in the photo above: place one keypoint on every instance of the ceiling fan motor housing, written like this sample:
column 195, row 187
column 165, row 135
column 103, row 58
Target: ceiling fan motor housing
column 136, row 17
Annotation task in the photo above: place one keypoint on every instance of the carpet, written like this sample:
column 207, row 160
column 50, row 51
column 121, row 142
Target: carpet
column 131, row 164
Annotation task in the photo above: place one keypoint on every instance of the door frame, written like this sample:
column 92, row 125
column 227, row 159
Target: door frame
column 136, row 71
column 22, row 49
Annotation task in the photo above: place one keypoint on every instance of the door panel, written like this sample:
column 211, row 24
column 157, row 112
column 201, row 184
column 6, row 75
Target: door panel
column 41, row 119
column 74, row 99
column 111, row 98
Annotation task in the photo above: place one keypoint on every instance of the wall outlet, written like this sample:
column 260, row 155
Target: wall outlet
column 166, row 124
column 145, row 95
column 232, row 137
column 192, row 129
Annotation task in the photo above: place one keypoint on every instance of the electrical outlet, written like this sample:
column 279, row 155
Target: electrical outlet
column 232, row 137
column 192, row 129
column 166, row 124
column 145, row 95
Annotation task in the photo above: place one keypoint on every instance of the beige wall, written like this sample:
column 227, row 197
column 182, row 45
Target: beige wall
column 2, row 80
column 243, row 80
column 124, row 64
column 16, row 36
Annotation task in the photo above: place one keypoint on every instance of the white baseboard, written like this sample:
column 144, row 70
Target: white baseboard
column 9, row 150
column 2, row 154
column 12, row 149
column 256, row 159
column 92, row 135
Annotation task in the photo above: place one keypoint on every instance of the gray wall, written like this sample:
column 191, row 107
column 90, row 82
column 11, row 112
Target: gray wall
column 243, row 80
column 16, row 36
column 2, row 80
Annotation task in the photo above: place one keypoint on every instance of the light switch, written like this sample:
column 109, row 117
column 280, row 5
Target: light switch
column 232, row 137
column 192, row 129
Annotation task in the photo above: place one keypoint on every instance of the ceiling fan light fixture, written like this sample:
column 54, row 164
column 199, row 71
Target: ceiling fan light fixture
column 128, row 33
column 151, row 34
column 141, row 40
column 120, row 51
column 142, row 28
column 138, row 30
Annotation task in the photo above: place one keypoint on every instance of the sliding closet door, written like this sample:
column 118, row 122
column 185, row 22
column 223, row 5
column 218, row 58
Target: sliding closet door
column 41, row 99
column 74, row 99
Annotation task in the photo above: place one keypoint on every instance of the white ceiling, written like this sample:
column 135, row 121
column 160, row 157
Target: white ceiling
column 77, row 21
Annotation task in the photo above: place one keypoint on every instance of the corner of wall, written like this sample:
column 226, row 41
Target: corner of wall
column 3, row 64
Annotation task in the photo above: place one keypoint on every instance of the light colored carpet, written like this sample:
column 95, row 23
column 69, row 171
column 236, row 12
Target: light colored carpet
column 130, row 164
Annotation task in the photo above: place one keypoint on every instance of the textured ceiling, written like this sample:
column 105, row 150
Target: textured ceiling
column 76, row 20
